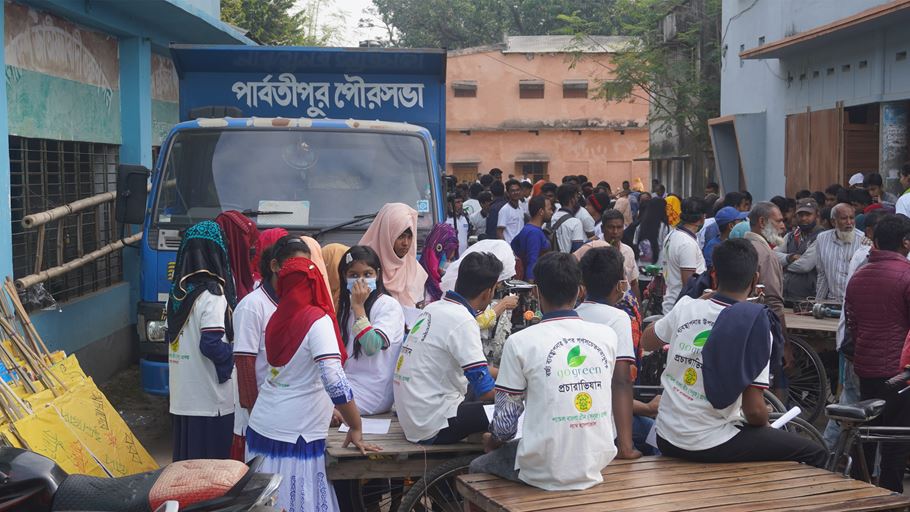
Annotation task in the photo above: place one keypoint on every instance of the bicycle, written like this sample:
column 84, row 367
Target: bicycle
column 852, row 418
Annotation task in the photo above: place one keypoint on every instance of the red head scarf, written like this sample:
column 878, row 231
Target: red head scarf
column 267, row 239
column 536, row 190
column 241, row 234
column 302, row 300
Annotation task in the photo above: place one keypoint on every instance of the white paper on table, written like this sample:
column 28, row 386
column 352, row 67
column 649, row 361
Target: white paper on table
column 651, row 440
column 521, row 419
column 371, row 426
column 789, row 415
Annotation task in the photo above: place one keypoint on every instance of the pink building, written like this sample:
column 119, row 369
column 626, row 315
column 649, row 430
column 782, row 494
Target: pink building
column 522, row 107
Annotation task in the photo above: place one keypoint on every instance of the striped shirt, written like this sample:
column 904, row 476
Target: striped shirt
column 832, row 260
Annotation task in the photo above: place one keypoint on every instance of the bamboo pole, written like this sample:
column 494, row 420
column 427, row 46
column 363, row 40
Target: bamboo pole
column 24, row 319
column 37, row 219
column 24, row 283
column 42, row 371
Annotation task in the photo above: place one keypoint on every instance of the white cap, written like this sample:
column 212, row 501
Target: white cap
column 856, row 179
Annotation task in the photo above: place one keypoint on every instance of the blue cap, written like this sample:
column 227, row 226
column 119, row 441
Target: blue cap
column 728, row 214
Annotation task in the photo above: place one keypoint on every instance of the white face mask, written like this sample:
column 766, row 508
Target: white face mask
column 370, row 281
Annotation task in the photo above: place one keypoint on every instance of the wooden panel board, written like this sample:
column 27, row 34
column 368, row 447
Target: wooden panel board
column 810, row 323
column 796, row 166
column 825, row 148
column 663, row 484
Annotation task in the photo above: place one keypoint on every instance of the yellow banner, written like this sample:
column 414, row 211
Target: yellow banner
column 68, row 369
column 46, row 434
column 96, row 423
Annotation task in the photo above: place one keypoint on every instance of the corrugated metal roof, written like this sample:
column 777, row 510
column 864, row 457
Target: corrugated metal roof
column 566, row 44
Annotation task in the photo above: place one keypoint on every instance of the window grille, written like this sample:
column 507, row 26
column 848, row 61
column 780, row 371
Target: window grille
column 48, row 173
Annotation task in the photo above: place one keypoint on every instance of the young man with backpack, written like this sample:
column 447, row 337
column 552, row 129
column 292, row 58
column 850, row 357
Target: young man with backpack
column 532, row 242
column 566, row 231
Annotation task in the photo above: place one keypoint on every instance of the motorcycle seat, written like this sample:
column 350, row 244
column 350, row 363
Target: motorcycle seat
column 194, row 481
column 859, row 411
column 127, row 494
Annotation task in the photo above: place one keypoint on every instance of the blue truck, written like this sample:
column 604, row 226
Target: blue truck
column 315, row 140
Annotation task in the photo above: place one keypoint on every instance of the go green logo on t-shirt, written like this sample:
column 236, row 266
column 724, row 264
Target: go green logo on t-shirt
column 574, row 358
column 701, row 339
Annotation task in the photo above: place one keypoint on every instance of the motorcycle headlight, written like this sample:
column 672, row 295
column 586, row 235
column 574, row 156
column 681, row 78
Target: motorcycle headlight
column 155, row 330
column 269, row 493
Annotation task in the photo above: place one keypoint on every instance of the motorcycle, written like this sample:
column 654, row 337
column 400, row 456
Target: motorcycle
column 30, row 482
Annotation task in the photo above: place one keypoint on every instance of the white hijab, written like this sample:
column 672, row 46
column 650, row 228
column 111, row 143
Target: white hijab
column 499, row 248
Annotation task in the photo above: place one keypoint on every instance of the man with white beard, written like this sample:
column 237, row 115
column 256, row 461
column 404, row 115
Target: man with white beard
column 832, row 251
column 767, row 226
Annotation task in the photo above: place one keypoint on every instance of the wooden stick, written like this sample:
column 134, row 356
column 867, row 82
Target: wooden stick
column 42, row 371
column 24, row 319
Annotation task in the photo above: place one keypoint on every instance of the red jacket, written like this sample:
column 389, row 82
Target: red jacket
column 877, row 305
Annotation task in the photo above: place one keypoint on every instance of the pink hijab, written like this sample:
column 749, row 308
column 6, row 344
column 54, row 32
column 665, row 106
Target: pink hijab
column 403, row 278
column 594, row 244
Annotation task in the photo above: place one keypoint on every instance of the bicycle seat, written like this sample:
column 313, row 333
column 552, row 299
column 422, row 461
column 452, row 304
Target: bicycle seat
column 860, row 411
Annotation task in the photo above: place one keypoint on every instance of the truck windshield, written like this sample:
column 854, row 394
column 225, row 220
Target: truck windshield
column 295, row 179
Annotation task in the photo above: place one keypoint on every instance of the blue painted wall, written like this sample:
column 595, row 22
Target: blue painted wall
column 775, row 87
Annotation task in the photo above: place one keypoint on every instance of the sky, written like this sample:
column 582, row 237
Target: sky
column 352, row 11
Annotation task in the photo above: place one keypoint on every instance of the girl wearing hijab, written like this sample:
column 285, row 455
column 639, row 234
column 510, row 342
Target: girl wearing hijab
column 241, row 235
column 316, row 257
column 199, row 333
column 650, row 233
column 289, row 423
column 391, row 235
column 250, row 318
column 440, row 249
column 267, row 239
column 372, row 327
column 332, row 254
column 674, row 210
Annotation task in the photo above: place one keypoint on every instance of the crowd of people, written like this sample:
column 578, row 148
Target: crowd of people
column 274, row 338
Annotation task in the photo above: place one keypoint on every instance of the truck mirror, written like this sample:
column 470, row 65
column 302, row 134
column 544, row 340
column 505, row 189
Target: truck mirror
column 132, row 194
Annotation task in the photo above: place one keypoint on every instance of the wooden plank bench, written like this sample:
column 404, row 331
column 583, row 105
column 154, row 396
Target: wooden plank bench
column 663, row 484
column 399, row 457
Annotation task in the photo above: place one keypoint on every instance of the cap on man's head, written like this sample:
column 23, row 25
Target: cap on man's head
column 856, row 179
column 728, row 214
column 807, row 204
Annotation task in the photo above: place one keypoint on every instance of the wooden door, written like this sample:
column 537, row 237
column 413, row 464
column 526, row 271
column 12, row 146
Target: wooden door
column 814, row 155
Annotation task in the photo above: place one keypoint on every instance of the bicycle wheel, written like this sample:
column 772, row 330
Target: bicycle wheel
column 777, row 407
column 807, row 380
column 374, row 495
column 437, row 491
column 803, row 428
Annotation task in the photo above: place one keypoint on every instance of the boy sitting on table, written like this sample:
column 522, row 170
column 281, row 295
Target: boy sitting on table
column 558, row 373
column 442, row 354
column 605, row 285
column 713, row 409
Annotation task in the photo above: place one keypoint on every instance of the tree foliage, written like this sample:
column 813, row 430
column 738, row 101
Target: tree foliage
column 457, row 24
column 673, row 60
column 272, row 22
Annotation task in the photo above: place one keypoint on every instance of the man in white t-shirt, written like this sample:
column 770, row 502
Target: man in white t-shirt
column 558, row 373
column 442, row 355
column 681, row 257
column 713, row 408
column 570, row 234
column 459, row 220
column 605, row 285
column 903, row 202
column 511, row 216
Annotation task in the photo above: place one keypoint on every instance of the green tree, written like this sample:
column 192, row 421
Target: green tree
column 673, row 61
column 457, row 24
column 272, row 22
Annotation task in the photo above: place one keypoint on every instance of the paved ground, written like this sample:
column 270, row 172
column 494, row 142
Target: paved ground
column 147, row 415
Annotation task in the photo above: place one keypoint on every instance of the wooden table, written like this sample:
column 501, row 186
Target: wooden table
column 399, row 457
column 657, row 484
column 810, row 323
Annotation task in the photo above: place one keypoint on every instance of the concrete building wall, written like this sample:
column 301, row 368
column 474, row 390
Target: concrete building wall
column 575, row 135
column 777, row 88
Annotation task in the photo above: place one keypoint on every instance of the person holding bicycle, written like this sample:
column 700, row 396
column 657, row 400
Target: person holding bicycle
column 877, row 315
column 713, row 410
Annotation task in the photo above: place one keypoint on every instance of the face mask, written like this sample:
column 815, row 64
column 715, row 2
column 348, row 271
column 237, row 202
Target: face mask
column 370, row 281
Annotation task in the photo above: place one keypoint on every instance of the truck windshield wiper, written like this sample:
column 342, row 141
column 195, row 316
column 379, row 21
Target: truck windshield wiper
column 356, row 219
column 256, row 213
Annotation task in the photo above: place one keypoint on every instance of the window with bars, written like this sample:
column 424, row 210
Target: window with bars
column 45, row 174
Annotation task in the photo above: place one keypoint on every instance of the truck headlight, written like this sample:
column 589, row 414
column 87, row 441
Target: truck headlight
column 155, row 330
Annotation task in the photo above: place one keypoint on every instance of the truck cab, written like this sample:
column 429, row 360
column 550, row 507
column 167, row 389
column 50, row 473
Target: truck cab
column 318, row 176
